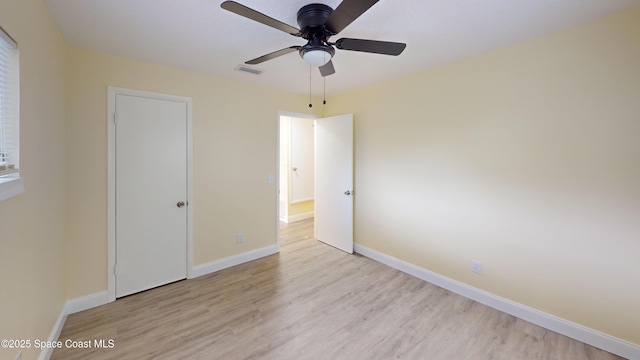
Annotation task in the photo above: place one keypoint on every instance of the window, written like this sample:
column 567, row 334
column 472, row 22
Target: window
column 10, row 181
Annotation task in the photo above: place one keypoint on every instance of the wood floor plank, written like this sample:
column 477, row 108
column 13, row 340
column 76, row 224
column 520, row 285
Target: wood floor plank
column 310, row 301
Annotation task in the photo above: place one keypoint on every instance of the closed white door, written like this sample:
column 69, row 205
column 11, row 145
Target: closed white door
column 334, row 181
column 151, row 192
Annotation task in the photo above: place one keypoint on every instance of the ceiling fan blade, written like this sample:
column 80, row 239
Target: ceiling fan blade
column 371, row 46
column 249, row 13
column 346, row 13
column 327, row 69
column 272, row 55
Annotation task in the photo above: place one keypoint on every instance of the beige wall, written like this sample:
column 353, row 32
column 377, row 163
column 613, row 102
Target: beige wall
column 32, row 243
column 234, row 146
column 526, row 158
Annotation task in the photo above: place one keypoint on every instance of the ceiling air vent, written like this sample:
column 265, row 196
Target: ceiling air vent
column 248, row 69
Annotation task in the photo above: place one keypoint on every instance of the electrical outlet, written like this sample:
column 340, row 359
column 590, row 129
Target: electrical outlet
column 239, row 239
column 476, row 266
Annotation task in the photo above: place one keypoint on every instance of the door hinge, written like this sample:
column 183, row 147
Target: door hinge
column 115, row 118
column 115, row 270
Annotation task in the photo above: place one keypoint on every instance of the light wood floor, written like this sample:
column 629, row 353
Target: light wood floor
column 311, row 301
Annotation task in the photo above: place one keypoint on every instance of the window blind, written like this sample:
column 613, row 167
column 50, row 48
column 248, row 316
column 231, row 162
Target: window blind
column 9, row 107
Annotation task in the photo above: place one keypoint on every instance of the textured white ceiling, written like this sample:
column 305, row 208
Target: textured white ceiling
column 198, row 35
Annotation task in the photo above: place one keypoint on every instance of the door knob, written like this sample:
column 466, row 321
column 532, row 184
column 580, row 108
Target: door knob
column 180, row 204
column 347, row 192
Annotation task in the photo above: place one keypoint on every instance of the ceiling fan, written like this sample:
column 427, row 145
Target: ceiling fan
column 318, row 22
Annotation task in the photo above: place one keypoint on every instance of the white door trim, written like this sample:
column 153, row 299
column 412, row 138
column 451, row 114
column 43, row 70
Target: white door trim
column 278, row 179
column 111, row 179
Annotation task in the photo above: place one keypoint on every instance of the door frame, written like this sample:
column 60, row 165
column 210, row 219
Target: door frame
column 111, row 178
column 278, row 179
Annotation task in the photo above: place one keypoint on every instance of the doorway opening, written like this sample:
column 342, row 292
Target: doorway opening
column 297, row 168
column 332, row 176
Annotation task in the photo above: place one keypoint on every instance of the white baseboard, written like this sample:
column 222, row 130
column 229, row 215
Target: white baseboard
column 553, row 323
column 87, row 302
column 299, row 217
column 221, row 264
column 71, row 307
column 46, row 353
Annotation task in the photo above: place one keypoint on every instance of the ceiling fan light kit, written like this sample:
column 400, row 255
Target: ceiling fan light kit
column 316, row 53
column 318, row 22
column 316, row 58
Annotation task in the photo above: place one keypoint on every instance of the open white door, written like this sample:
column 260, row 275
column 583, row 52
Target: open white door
column 334, row 181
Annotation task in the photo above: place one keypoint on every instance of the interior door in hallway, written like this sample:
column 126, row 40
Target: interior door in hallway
column 334, row 181
column 301, row 157
column 151, row 192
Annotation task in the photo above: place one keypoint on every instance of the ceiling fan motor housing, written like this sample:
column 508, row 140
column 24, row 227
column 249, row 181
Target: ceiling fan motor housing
column 311, row 19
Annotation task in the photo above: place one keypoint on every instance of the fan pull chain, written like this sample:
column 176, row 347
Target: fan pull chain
column 310, row 105
column 324, row 84
column 324, row 90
